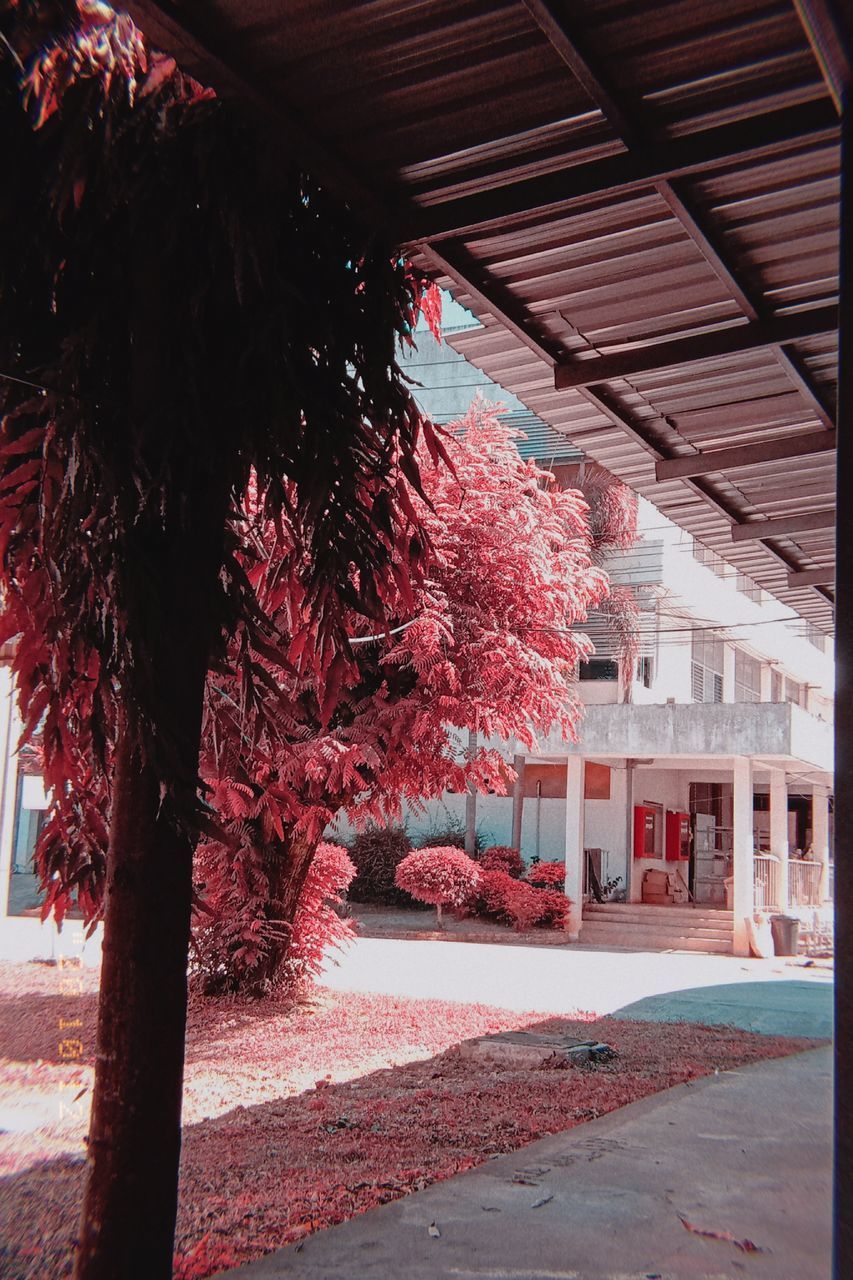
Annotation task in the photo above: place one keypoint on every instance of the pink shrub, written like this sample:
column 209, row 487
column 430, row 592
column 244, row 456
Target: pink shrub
column 519, row 903
column 443, row 876
column 501, row 857
column 547, row 875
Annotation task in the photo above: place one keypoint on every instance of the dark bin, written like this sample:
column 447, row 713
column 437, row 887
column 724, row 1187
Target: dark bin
column 786, row 935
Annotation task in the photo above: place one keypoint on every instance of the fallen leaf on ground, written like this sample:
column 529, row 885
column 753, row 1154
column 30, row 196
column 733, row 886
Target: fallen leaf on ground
column 747, row 1246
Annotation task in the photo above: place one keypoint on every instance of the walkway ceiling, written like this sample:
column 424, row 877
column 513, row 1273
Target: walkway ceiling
column 637, row 198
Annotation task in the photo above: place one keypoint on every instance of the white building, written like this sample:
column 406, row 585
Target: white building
column 724, row 735
column 712, row 766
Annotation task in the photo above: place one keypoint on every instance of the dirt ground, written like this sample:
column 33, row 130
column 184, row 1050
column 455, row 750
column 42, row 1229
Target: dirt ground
column 299, row 1118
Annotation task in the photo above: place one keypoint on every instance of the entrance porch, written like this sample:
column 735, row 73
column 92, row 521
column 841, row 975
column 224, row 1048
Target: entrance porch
column 698, row 838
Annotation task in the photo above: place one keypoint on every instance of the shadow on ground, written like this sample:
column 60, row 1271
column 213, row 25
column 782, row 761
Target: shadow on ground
column 259, row 1177
column 794, row 1007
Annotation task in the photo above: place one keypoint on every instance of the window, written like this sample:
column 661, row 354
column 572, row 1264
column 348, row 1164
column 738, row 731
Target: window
column 599, row 669
column 749, row 587
column 795, row 693
column 747, row 678
column 645, row 672
column 706, row 669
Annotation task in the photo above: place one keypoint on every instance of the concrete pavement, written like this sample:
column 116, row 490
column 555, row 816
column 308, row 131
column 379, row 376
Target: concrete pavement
column 772, row 996
column 744, row 1154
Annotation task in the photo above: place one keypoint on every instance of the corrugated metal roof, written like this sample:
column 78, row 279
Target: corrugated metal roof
column 587, row 179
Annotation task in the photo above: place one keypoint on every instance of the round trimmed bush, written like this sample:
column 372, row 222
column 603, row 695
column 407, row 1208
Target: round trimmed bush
column 442, row 876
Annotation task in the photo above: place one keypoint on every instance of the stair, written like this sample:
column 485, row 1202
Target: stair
column 654, row 928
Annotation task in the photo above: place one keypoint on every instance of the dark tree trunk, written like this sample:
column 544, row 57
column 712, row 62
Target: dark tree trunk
column 128, row 1220
column 287, row 873
column 173, row 553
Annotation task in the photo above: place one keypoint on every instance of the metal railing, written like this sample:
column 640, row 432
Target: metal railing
column 804, row 883
column 766, row 881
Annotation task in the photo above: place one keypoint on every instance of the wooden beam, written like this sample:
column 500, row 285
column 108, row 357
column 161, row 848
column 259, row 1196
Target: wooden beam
column 775, row 332
column 785, row 526
column 552, row 23
column 745, row 455
column 631, row 129
column 811, row 578
column 643, row 166
column 822, row 24
column 195, row 50
column 459, row 266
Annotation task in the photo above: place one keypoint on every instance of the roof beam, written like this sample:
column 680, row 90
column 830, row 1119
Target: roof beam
column 811, row 578
column 170, row 28
column 551, row 22
column 745, row 455
column 630, row 129
column 775, row 332
column 642, row 166
column 784, row 527
column 822, row 25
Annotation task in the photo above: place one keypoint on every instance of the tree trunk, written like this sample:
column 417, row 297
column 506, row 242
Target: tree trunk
column 172, row 555
column 288, row 871
column 130, row 1203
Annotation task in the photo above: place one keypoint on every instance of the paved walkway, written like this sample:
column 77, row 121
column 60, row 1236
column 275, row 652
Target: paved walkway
column 745, row 1154
column 773, row 996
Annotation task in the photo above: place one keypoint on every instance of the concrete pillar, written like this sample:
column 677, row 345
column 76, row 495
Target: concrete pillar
column 9, row 730
column 820, row 836
column 779, row 830
column 728, row 673
column 471, row 802
column 630, row 878
column 743, row 851
column 574, row 844
column 766, row 682
column 517, row 800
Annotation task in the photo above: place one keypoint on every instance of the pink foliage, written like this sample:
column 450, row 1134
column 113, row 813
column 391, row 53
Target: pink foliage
column 317, row 924
column 547, row 875
column 443, row 876
column 235, row 930
column 519, row 903
column 502, row 857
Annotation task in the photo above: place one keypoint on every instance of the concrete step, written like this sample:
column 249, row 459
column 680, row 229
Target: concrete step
column 665, row 915
column 626, row 927
column 652, row 940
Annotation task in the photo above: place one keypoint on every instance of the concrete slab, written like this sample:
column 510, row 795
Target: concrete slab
column 744, row 1154
column 785, row 1008
column 573, row 979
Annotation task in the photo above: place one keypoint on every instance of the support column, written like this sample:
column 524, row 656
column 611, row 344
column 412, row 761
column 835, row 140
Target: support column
column 629, row 830
column 743, row 851
column 843, row 1155
column 471, row 802
column 574, row 844
column 729, row 673
column 517, row 801
column 779, row 830
column 820, row 837
column 10, row 728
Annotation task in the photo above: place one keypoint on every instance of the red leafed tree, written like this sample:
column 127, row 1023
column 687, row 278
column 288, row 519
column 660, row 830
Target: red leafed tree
column 486, row 642
column 180, row 316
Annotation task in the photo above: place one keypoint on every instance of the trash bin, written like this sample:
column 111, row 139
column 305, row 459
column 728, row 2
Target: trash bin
column 786, row 935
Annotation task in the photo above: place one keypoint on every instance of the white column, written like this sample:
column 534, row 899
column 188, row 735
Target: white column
column 9, row 729
column 728, row 673
column 574, row 844
column 779, row 830
column 820, row 836
column 743, row 851
column 766, row 681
